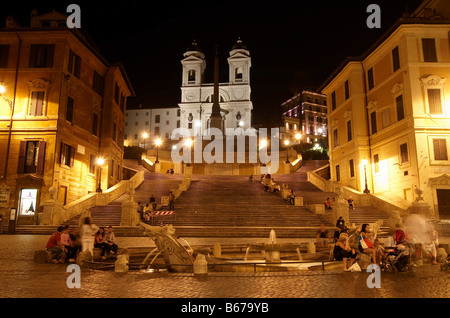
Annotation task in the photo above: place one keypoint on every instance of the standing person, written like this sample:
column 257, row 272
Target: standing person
column 365, row 244
column 171, row 201
column 341, row 223
column 342, row 251
column 55, row 246
column 153, row 202
column 110, row 241
column 87, row 234
column 328, row 204
column 140, row 210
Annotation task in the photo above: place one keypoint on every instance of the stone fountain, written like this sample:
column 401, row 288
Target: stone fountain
column 271, row 249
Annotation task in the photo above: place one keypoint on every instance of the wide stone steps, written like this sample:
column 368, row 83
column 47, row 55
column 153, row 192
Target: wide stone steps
column 119, row 231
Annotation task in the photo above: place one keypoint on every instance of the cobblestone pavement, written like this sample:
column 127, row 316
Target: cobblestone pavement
column 20, row 277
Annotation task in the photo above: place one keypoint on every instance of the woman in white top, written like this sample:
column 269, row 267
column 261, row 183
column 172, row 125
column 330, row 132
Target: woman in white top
column 87, row 234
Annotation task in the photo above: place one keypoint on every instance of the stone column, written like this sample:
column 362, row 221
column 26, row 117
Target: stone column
column 130, row 215
column 53, row 210
column 340, row 208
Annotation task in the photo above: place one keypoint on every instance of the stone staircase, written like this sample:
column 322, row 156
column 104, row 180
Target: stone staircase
column 227, row 206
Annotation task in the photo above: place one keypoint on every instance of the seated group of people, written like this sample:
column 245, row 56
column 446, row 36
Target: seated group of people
column 368, row 245
column 329, row 202
column 271, row 186
column 145, row 211
column 65, row 246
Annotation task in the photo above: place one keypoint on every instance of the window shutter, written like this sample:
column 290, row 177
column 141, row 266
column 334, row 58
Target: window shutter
column 49, row 54
column 72, row 156
column 22, row 154
column 33, row 51
column 434, row 101
column 41, row 158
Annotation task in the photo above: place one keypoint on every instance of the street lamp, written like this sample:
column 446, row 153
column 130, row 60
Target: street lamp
column 158, row 143
column 286, row 143
column 100, row 162
column 366, row 189
column 145, row 136
column 188, row 143
column 298, row 136
column 11, row 108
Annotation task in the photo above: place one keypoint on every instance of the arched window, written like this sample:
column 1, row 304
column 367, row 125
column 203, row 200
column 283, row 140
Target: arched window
column 191, row 76
column 238, row 74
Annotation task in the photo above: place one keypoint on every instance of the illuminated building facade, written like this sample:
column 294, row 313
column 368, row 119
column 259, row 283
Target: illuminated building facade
column 62, row 107
column 389, row 113
column 306, row 113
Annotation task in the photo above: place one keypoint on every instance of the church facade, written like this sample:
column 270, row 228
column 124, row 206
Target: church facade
column 197, row 97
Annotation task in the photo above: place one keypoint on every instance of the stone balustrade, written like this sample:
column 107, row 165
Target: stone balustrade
column 54, row 213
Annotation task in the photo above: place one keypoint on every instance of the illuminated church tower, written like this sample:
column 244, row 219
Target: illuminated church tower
column 197, row 97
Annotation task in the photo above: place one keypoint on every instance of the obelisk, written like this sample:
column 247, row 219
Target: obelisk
column 216, row 118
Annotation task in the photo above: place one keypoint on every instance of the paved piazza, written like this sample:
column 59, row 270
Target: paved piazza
column 20, row 277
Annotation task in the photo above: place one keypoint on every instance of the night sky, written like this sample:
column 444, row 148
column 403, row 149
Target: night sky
column 293, row 44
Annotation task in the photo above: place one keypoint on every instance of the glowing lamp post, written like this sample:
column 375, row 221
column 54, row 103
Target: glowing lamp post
column 188, row 143
column 158, row 143
column 366, row 189
column 100, row 162
column 145, row 136
column 286, row 143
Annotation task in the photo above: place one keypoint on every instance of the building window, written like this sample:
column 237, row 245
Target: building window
column 36, row 103
column 41, row 55
column 352, row 168
column 333, row 101
column 167, row 122
column 69, row 109
column 28, row 202
column 440, row 149
column 395, row 59
column 156, row 131
column 400, row 108
column 338, row 173
column 238, row 74
column 347, row 90
column 370, row 78
column 178, row 112
column 386, row 118
column 404, row 153
column 349, row 130
column 4, row 51
column 31, row 157
column 191, row 76
column 135, row 136
column 434, row 101
column 429, row 50
column 157, row 119
column 74, row 64
column 67, row 155
column 178, row 124
column 373, row 122
column 189, row 125
column 335, row 138
column 376, row 163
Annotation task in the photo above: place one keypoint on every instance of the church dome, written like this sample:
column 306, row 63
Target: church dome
column 194, row 48
column 239, row 45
